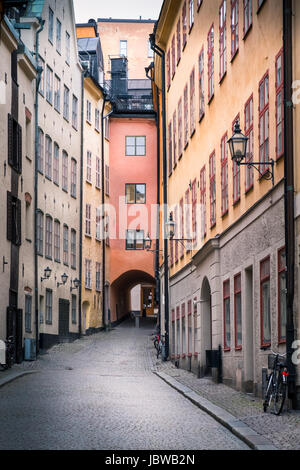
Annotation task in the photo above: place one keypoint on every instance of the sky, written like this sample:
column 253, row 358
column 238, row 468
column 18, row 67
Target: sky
column 131, row 9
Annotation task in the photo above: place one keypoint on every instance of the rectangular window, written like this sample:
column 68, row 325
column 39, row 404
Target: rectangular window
column 41, row 151
column 190, row 329
column 88, row 274
column 14, row 150
column 106, row 180
column 179, row 114
column 88, row 219
column 58, row 35
column 66, row 102
column 56, row 240
column 57, row 93
column 40, row 232
column 170, row 148
column 50, row 25
column 98, row 223
column 186, row 115
column 210, row 55
column 98, row 173
column 178, row 37
column 234, row 27
column 64, row 171
column 48, row 237
column 226, row 313
column 89, row 111
column 123, row 48
column 173, row 56
column 192, row 102
column 48, row 162
column 191, row 14
column 168, row 69
column 28, row 312
column 13, row 220
column 56, row 164
column 74, row 314
column 98, row 272
column 247, row 15
column 41, row 63
column 194, row 214
column 181, row 225
column 281, row 296
column 201, row 84
column 75, row 112
column 203, row 201
column 173, row 335
column 238, row 311
column 176, row 232
column 73, row 177
column 97, row 119
column 68, row 48
column 134, row 239
column 187, row 216
column 279, row 104
column 236, row 174
column 222, row 36
column 48, row 306
column 264, row 122
column 183, row 342
column 66, row 245
column 249, row 149
column 73, row 249
column 174, row 139
column 224, row 175
column 265, row 312
column 184, row 24
column 135, row 193
column 89, row 167
column 49, row 84
column 212, row 187
column 172, row 245
column 135, row 145
column 106, row 128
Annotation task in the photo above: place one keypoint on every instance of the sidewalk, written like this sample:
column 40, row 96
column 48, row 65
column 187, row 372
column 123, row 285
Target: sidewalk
column 241, row 413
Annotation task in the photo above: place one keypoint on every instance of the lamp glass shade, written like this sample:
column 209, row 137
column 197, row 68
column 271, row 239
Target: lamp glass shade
column 170, row 227
column 47, row 272
column 147, row 242
column 238, row 144
column 64, row 278
column 76, row 283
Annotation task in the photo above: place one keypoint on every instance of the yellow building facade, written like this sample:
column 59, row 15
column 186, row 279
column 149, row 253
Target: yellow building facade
column 224, row 63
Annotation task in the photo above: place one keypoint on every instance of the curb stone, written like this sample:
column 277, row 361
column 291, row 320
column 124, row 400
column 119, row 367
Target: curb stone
column 13, row 376
column 254, row 440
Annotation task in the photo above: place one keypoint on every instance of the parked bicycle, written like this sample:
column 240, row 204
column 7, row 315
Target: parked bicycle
column 277, row 383
column 9, row 353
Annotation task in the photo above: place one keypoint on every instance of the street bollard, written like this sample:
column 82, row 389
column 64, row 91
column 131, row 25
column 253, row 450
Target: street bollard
column 137, row 321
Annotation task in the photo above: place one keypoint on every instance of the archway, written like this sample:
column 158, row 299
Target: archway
column 120, row 292
column 206, row 324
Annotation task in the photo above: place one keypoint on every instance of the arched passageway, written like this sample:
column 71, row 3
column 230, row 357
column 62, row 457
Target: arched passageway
column 206, row 324
column 120, row 294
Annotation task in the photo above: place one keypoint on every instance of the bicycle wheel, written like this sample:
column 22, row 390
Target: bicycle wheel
column 268, row 394
column 279, row 396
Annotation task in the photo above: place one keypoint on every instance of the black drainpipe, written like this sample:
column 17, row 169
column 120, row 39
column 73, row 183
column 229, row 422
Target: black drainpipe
column 289, row 193
column 103, row 215
column 36, row 151
column 81, row 207
column 158, row 208
column 160, row 52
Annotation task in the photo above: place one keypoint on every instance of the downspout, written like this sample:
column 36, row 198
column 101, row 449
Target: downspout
column 160, row 52
column 81, row 207
column 158, row 207
column 103, row 215
column 289, row 193
column 36, row 151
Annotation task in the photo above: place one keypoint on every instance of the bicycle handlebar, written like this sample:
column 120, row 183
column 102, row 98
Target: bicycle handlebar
column 277, row 354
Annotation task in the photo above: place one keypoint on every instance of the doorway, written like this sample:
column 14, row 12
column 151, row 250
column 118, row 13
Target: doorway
column 206, row 324
column 63, row 319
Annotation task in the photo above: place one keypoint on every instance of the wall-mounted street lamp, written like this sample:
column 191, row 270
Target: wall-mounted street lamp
column 76, row 284
column 238, row 149
column 148, row 244
column 170, row 231
column 64, row 278
column 47, row 273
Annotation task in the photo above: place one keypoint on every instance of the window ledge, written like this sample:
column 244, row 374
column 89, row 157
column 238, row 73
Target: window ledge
column 222, row 78
column 236, row 202
column 247, row 32
column 248, row 190
column 233, row 56
column 211, row 98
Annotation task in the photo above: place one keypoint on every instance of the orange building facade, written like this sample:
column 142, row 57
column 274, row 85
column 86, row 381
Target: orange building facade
column 227, row 286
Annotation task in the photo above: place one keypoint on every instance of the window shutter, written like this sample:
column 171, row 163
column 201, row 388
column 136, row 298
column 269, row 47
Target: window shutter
column 19, row 223
column 19, row 137
column 10, row 140
column 9, row 217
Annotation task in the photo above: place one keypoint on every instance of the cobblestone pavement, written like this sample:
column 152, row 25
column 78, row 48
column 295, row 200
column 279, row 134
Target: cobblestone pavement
column 283, row 431
column 100, row 392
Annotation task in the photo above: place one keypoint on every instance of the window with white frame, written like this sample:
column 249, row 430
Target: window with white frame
column 49, row 84
column 89, row 167
column 98, row 173
column 75, row 112
column 40, row 232
column 73, row 177
column 98, row 223
column 64, row 171
column 88, row 274
column 49, row 304
column 41, row 63
column 73, row 249
column 123, row 48
column 48, row 238
column 97, row 119
column 41, row 151
column 88, row 111
column 56, row 164
column 98, row 271
column 68, row 48
column 56, row 240
column 50, row 25
column 88, row 219
column 58, row 35
column 66, row 245
column 66, row 102
column 48, row 158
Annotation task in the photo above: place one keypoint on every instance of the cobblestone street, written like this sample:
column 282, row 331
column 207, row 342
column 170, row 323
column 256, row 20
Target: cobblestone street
column 100, row 392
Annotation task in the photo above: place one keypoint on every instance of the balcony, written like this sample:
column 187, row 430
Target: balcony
column 130, row 96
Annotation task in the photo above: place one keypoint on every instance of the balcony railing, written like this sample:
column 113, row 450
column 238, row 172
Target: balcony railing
column 130, row 96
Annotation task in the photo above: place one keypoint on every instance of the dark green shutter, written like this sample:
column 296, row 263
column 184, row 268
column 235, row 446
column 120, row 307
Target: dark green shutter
column 19, row 149
column 9, row 217
column 10, row 140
